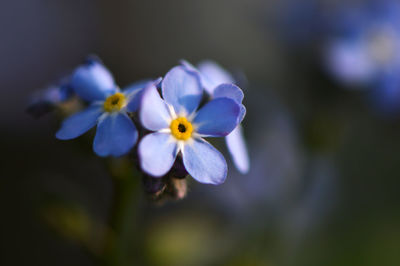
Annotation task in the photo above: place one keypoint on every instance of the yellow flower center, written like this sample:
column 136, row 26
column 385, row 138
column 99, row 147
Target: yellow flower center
column 181, row 129
column 115, row 102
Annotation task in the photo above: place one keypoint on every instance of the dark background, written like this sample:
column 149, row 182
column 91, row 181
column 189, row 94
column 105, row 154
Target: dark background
column 323, row 186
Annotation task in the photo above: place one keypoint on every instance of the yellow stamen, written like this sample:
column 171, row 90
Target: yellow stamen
column 181, row 129
column 115, row 102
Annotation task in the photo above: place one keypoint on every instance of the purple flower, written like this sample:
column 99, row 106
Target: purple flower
column 219, row 83
column 108, row 107
column 179, row 129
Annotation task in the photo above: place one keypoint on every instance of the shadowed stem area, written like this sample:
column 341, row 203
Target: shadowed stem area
column 121, row 248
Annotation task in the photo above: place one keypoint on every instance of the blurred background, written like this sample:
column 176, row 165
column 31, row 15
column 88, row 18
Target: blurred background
column 322, row 127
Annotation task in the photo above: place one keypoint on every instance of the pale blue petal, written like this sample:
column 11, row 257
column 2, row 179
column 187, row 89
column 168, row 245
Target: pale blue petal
column 230, row 91
column 204, row 163
column 233, row 92
column 116, row 135
column 238, row 150
column 157, row 153
column 79, row 123
column 135, row 91
column 141, row 84
column 349, row 62
column 205, row 83
column 182, row 89
column 217, row 118
column 154, row 113
column 213, row 75
column 242, row 113
column 93, row 82
column 188, row 66
column 134, row 100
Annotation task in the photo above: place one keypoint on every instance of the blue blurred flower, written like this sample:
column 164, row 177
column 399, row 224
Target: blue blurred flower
column 220, row 83
column 108, row 109
column 180, row 129
column 44, row 101
column 362, row 49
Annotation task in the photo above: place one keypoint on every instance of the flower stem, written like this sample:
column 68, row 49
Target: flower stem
column 120, row 238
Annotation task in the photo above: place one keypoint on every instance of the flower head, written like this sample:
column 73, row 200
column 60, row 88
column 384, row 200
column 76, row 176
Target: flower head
column 180, row 128
column 220, row 83
column 362, row 50
column 108, row 109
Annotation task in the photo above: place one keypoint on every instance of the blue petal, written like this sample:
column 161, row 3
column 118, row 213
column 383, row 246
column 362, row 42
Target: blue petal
column 182, row 89
column 136, row 86
column 230, row 91
column 204, row 163
column 238, row 150
column 188, row 66
column 213, row 75
column 217, row 118
column 349, row 62
column 154, row 113
column 93, row 82
column 116, row 135
column 134, row 100
column 233, row 92
column 242, row 113
column 191, row 68
column 157, row 153
column 134, row 93
column 79, row 123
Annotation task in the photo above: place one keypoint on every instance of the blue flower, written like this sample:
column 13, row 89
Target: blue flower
column 179, row 129
column 44, row 101
column 362, row 50
column 108, row 109
column 219, row 83
column 364, row 42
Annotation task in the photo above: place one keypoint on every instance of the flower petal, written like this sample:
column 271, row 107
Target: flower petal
column 93, row 81
column 182, row 89
column 230, row 91
column 213, row 75
column 134, row 93
column 154, row 112
column 349, row 62
column 217, row 118
column 116, row 135
column 141, row 84
column 188, row 66
column 204, row 163
column 79, row 123
column 238, row 150
column 157, row 152
column 242, row 113
column 134, row 100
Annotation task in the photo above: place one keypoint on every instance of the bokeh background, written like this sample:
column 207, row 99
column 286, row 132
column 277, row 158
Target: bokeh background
column 324, row 178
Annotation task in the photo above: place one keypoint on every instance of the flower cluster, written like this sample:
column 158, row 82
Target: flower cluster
column 162, row 122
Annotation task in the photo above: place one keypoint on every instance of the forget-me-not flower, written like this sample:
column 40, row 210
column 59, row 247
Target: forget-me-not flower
column 46, row 100
column 108, row 109
column 362, row 49
column 365, row 41
column 179, row 128
column 212, row 76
